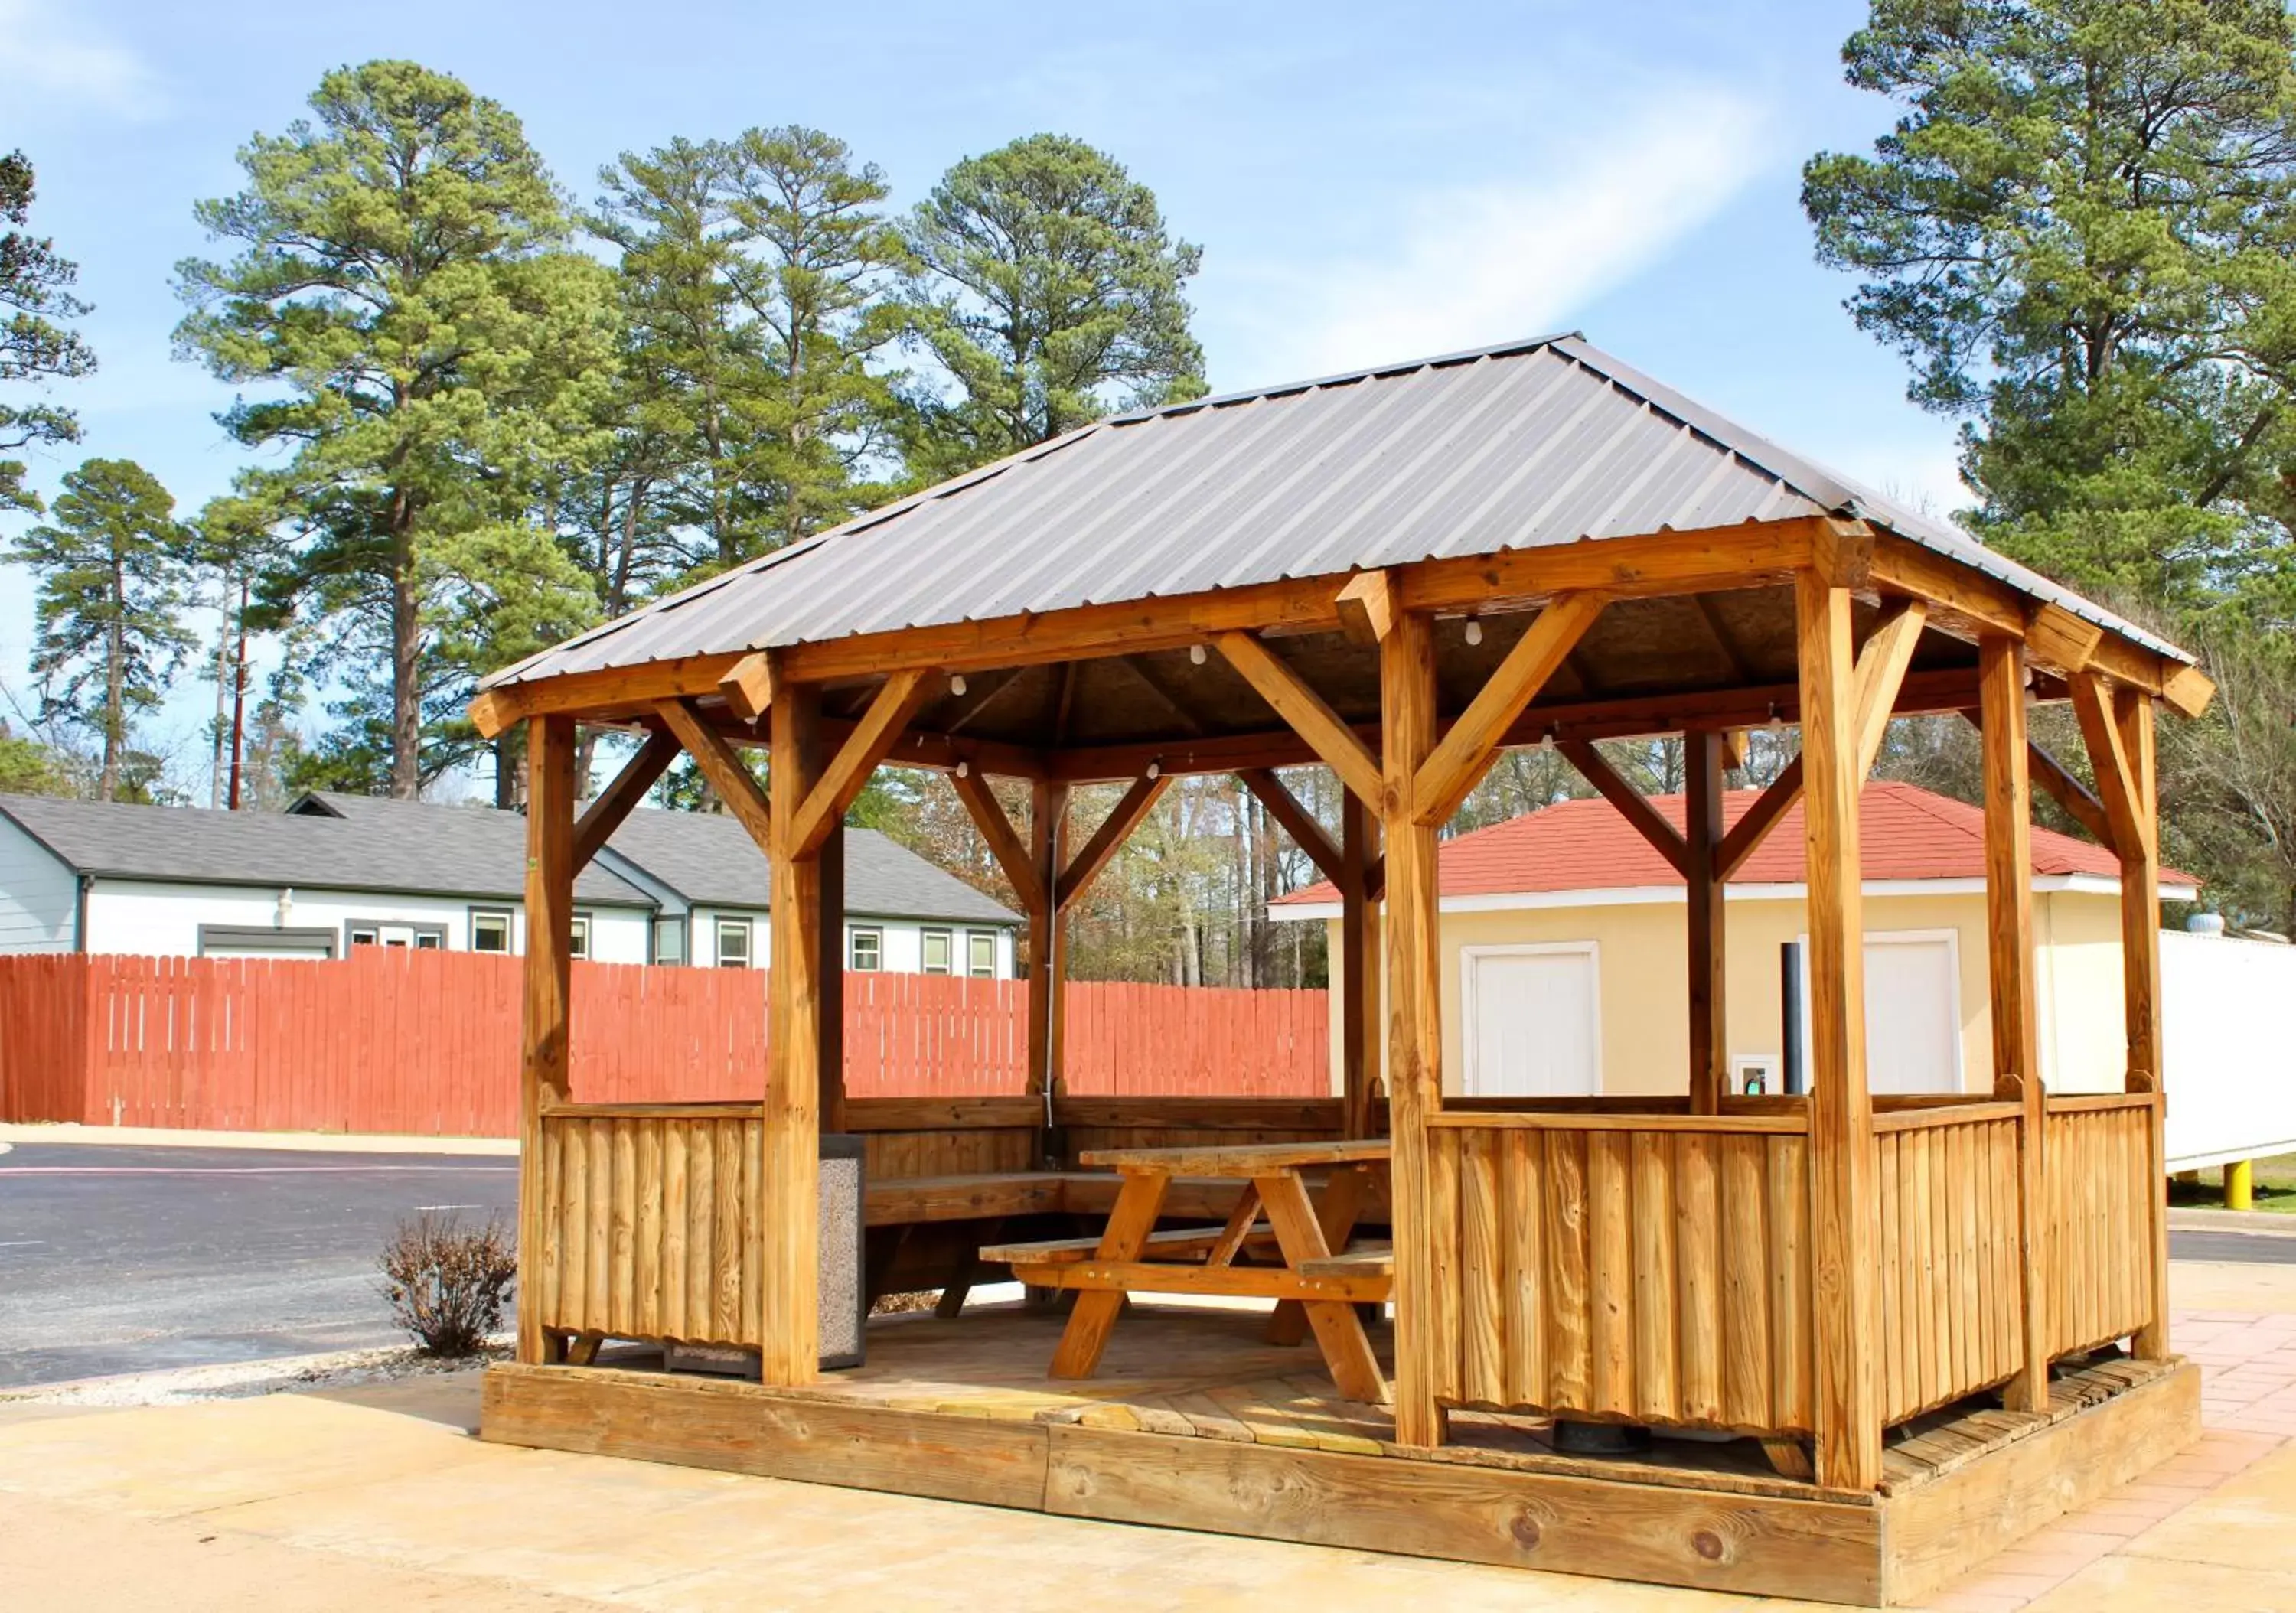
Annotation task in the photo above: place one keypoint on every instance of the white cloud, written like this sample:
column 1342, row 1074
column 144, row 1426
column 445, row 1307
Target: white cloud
column 1509, row 256
column 49, row 54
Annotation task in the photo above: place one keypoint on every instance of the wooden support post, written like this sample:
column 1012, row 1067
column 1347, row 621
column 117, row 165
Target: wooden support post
column 1359, row 965
column 1709, row 1043
column 2009, row 954
column 1844, row 1220
column 2140, row 951
column 548, row 974
column 829, row 1035
column 1048, row 964
column 1415, row 1057
column 789, row 1206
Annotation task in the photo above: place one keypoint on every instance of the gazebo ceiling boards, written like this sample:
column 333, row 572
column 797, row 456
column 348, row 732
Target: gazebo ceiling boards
column 1398, row 574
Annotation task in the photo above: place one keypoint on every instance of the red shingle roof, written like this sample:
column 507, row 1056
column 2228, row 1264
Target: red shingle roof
column 1906, row 833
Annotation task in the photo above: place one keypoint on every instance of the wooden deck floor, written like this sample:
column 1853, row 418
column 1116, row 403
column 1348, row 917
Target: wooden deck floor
column 1195, row 1422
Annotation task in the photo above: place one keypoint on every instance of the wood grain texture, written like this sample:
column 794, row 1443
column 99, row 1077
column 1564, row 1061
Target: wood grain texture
column 1305, row 711
column 1844, row 1206
column 2010, row 973
column 547, row 981
column 788, row 1225
column 1465, row 752
column 1363, row 1046
column 1709, row 988
column 1414, row 1058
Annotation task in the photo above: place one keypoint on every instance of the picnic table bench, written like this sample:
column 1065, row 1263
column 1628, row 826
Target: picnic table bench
column 1317, row 1284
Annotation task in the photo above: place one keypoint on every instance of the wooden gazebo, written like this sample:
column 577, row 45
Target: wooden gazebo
column 1932, row 1324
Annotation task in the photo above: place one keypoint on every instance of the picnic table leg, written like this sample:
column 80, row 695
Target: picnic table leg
column 1342, row 1203
column 1129, row 1222
column 1347, row 1347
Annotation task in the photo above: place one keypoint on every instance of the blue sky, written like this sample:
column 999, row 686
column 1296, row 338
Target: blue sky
column 1369, row 182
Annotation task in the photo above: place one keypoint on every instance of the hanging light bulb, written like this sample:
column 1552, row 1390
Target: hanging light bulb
column 964, row 770
column 1196, row 654
column 1777, row 722
column 957, row 685
column 1546, row 740
column 1474, row 630
column 1155, row 770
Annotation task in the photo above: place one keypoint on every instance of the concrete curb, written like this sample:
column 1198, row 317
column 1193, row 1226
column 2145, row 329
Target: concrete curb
column 2262, row 1223
column 316, row 1142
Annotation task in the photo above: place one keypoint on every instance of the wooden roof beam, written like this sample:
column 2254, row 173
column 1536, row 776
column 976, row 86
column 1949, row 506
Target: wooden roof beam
column 1108, row 839
column 1633, row 806
column 721, row 766
column 2117, row 785
column 1753, row 826
column 1465, row 754
column 1004, row 841
column 605, row 815
column 1308, row 834
column 1881, row 667
column 1306, row 712
column 873, row 736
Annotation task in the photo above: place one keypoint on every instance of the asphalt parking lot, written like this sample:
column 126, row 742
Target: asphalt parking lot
column 133, row 1259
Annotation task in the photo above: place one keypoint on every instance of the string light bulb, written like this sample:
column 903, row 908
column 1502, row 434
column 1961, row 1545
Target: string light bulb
column 1547, row 739
column 1155, row 770
column 1474, row 630
column 1777, row 722
column 1196, row 654
column 964, row 770
column 957, row 685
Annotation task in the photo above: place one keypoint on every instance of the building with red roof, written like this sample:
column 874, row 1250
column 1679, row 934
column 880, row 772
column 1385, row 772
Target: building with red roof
column 1565, row 946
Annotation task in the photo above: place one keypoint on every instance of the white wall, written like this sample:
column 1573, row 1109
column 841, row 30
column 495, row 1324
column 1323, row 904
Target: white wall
column 903, row 946
column 38, row 895
column 163, row 919
column 2229, row 1028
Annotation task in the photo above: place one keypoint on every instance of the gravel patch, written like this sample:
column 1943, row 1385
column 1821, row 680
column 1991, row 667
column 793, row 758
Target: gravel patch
column 244, row 1380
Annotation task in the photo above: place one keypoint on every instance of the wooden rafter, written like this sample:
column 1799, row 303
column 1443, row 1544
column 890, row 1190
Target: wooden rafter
column 721, row 766
column 1881, row 667
column 1004, row 841
column 749, row 686
column 872, row 737
column 1305, row 711
column 1633, row 806
column 1723, row 641
column 1308, row 834
column 605, row 815
column 1754, row 824
column 1135, row 804
column 1465, row 753
column 2116, row 781
column 1162, row 694
column 1367, row 606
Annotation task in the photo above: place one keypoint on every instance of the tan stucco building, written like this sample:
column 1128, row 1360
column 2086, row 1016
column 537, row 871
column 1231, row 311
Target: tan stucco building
column 1565, row 941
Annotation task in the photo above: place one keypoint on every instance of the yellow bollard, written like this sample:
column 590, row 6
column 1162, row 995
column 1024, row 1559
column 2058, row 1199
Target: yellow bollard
column 2239, row 1186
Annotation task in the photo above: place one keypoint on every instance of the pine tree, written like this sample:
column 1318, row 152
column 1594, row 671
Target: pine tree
column 36, row 286
column 111, row 570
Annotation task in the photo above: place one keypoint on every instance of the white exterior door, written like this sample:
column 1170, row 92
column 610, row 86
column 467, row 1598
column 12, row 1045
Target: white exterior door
column 1533, row 1017
column 1912, row 1011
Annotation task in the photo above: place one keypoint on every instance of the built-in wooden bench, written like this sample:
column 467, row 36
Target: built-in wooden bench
column 1368, row 1260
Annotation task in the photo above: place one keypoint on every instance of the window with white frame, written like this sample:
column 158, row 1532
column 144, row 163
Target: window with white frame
column 865, row 949
column 733, row 943
column 936, row 951
column 489, row 931
column 980, row 954
column 581, row 944
column 670, row 940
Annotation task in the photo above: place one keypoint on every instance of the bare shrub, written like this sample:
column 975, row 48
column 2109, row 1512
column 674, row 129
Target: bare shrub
column 447, row 1281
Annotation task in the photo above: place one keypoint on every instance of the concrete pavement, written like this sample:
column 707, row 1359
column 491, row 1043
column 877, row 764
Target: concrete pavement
column 374, row 1498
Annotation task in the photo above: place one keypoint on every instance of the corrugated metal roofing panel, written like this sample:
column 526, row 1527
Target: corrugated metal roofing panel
column 1517, row 447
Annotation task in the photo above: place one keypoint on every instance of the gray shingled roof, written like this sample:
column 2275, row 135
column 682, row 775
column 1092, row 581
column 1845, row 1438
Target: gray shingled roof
column 710, row 859
column 1535, row 442
column 407, row 845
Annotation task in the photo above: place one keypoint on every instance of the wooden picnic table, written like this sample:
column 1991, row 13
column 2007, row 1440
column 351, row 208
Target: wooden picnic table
column 1317, row 1284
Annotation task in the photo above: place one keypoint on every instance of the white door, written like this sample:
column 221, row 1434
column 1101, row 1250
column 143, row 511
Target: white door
column 1533, row 1022
column 1912, row 1011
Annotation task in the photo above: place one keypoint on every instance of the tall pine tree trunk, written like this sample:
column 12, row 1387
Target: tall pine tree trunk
column 115, row 680
column 406, row 656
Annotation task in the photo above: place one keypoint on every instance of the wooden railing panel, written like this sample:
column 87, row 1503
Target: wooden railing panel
column 1949, row 1286
column 648, row 1228
column 2098, row 1214
column 1645, row 1273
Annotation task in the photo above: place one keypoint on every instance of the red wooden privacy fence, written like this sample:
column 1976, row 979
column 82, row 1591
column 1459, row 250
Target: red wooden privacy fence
column 426, row 1043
